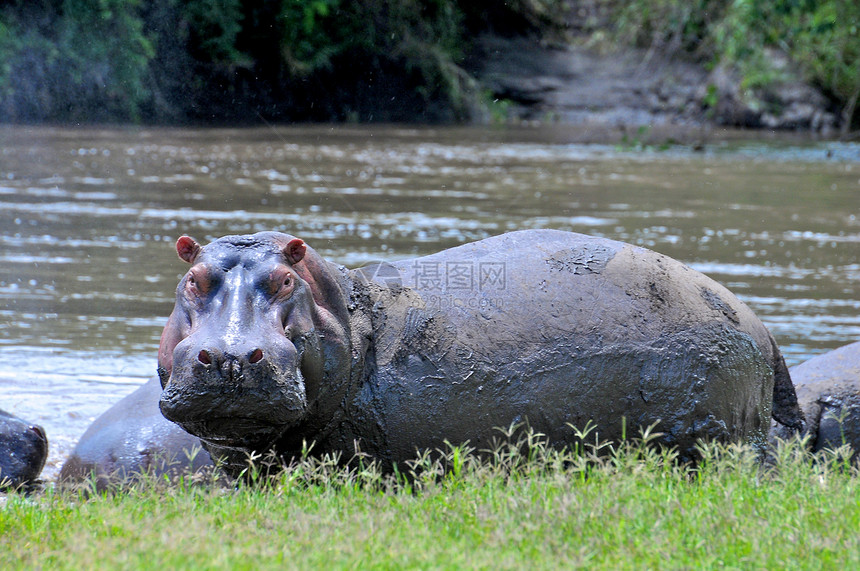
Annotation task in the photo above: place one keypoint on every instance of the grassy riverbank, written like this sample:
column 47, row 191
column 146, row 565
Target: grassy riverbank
column 633, row 509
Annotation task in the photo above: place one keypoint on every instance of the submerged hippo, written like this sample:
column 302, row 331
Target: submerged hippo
column 130, row 438
column 828, row 391
column 270, row 345
column 23, row 451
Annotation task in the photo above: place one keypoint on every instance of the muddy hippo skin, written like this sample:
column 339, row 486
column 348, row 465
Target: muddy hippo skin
column 828, row 389
column 23, row 450
column 130, row 438
column 269, row 345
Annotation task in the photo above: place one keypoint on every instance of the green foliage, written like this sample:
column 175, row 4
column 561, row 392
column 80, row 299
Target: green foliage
column 670, row 25
column 827, row 45
column 428, row 40
column 820, row 36
column 742, row 40
column 308, row 42
column 215, row 26
column 106, row 50
column 96, row 60
column 424, row 38
column 7, row 50
column 80, row 56
column 115, row 60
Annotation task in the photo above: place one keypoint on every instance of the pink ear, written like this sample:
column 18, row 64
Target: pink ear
column 295, row 251
column 187, row 249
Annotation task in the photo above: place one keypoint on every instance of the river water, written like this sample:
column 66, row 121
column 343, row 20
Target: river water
column 88, row 218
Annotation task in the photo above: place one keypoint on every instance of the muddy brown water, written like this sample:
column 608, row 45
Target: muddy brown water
column 88, row 218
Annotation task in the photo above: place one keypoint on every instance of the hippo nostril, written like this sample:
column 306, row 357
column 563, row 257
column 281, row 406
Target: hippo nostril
column 203, row 357
column 256, row 356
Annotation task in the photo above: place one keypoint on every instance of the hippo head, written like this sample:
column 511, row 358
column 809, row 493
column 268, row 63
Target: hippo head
column 257, row 343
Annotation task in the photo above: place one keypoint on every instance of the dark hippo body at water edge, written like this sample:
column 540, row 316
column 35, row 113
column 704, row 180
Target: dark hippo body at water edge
column 130, row 438
column 828, row 391
column 269, row 346
column 23, row 450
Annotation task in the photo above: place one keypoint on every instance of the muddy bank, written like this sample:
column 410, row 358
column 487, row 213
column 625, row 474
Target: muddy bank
column 624, row 89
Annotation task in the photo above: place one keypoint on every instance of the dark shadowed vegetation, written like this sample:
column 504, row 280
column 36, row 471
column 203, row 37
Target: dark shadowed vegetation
column 231, row 60
column 376, row 60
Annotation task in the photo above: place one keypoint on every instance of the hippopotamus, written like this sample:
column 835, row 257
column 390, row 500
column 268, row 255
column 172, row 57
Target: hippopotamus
column 828, row 392
column 270, row 347
column 23, row 451
column 132, row 438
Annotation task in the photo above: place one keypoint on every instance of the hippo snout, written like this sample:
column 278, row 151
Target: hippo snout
column 235, row 418
column 224, row 367
column 234, row 395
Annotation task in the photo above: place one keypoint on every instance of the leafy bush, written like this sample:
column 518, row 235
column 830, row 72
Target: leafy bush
column 115, row 60
column 80, row 60
column 671, row 25
column 423, row 39
column 214, row 26
column 820, row 36
column 826, row 43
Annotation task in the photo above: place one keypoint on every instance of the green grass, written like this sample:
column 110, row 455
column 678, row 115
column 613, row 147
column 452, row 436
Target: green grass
column 631, row 507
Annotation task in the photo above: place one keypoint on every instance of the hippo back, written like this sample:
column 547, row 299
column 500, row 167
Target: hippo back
column 23, row 451
column 828, row 390
column 558, row 329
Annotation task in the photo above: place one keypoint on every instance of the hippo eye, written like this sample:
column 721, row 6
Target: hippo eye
column 191, row 286
column 281, row 284
column 196, row 284
column 286, row 285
